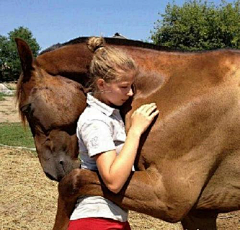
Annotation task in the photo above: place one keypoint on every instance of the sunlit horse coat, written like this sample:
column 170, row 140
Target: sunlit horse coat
column 188, row 162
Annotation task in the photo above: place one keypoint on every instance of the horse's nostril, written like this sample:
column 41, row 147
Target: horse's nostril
column 61, row 162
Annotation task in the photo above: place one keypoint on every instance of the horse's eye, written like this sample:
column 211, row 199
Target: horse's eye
column 26, row 108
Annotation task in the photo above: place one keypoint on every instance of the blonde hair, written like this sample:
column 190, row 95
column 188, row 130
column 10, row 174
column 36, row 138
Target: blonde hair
column 109, row 64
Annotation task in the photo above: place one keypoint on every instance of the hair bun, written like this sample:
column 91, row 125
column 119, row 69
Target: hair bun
column 94, row 43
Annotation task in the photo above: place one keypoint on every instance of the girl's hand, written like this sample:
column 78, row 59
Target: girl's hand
column 143, row 117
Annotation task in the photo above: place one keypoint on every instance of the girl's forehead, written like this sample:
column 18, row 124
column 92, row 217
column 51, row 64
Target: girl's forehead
column 127, row 77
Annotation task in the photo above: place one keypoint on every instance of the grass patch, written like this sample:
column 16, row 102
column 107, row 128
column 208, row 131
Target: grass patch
column 14, row 134
column 2, row 95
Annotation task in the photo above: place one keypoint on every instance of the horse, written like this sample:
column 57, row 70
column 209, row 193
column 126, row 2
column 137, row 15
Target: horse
column 187, row 168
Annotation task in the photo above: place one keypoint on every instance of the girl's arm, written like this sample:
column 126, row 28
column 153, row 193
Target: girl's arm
column 115, row 169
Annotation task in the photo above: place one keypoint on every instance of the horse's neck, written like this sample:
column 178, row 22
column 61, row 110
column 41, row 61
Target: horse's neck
column 67, row 61
column 72, row 61
column 76, row 58
column 148, row 83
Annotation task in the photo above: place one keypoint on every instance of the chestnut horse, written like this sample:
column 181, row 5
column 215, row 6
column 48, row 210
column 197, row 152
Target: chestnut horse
column 188, row 162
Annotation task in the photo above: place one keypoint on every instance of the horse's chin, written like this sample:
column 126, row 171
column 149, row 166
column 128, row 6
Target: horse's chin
column 60, row 168
column 49, row 176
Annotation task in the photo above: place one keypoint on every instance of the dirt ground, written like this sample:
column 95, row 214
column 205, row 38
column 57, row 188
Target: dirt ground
column 8, row 110
column 28, row 199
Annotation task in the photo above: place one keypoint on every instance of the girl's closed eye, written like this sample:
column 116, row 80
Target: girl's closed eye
column 125, row 86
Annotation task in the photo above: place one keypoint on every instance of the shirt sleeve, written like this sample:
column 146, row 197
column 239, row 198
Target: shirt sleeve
column 97, row 136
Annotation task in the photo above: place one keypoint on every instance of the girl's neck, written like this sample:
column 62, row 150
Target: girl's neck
column 98, row 95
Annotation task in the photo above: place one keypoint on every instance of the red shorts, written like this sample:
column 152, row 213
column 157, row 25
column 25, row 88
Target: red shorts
column 97, row 224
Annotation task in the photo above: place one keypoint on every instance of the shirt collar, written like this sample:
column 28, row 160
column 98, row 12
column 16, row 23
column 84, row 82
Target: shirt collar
column 95, row 103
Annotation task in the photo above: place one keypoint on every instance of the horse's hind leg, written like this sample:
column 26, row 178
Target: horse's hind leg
column 200, row 220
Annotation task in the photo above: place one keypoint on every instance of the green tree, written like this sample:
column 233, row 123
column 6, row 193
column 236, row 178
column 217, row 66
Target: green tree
column 198, row 25
column 10, row 66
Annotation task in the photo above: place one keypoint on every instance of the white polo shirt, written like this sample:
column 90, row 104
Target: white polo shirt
column 100, row 128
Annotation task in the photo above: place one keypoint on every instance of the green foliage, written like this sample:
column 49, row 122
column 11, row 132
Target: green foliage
column 13, row 134
column 199, row 25
column 10, row 66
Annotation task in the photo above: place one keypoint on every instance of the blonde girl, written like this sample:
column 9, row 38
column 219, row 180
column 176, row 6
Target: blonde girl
column 103, row 143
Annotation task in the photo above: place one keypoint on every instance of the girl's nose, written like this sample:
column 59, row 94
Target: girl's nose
column 130, row 92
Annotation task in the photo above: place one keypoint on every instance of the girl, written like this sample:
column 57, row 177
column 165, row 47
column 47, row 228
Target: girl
column 102, row 139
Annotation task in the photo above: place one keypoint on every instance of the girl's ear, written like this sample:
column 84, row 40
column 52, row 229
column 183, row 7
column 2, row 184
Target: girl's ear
column 101, row 84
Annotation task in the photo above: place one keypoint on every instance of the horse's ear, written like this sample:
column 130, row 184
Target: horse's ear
column 26, row 58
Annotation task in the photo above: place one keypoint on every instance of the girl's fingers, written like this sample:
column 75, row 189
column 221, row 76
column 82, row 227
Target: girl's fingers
column 147, row 110
column 155, row 113
column 151, row 109
column 146, row 107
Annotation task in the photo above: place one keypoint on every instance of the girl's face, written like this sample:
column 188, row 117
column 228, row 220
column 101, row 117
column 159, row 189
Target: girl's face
column 116, row 92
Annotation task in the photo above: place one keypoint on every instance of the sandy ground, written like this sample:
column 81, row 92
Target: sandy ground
column 28, row 199
column 8, row 110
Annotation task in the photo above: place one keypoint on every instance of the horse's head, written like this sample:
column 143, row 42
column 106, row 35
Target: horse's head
column 51, row 105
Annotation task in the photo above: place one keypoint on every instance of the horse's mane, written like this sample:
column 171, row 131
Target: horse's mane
column 111, row 41
column 18, row 96
column 129, row 42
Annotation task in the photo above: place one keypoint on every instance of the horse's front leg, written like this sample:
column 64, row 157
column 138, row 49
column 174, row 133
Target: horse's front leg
column 64, row 211
column 144, row 192
column 68, row 190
